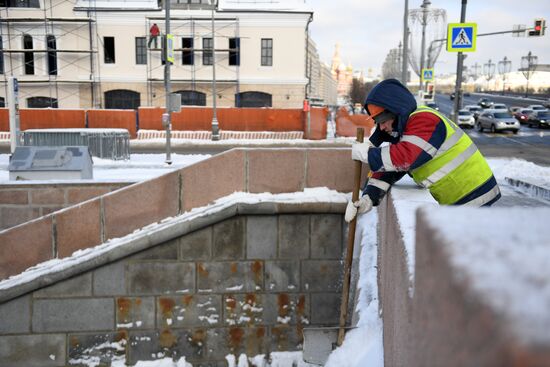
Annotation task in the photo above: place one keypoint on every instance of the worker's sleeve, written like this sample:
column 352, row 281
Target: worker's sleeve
column 379, row 183
column 423, row 135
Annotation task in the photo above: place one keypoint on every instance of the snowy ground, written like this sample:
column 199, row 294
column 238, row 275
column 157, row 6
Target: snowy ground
column 363, row 345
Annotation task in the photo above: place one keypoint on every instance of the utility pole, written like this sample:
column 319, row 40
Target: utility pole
column 215, row 126
column 424, row 7
column 459, row 66
column 167, row 86
column 404, row 62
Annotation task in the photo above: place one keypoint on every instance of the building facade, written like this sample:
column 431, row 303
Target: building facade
column 99, row 53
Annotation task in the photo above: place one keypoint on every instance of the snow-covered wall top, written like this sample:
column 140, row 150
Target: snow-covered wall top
column 504, row 255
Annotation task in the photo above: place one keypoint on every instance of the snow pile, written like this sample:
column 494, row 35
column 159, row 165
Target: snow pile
column 363, row 345
column 505, row 258
column 139, row 167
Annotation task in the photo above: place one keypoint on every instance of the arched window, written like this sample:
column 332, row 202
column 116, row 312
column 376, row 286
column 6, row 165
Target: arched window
column 192, row 98
column 52, row 55
column 41, row 102
column 28, row 56
column 122, row 99
column 252, row 99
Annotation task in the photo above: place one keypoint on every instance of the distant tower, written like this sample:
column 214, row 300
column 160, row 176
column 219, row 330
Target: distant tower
column 342, row 74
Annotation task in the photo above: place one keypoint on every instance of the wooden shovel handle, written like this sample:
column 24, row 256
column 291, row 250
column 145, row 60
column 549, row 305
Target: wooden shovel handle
column 349, row 249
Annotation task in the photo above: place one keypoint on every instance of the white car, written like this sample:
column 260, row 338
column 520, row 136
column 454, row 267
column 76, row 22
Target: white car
column 499, row 106
column 537, row 107
column 466, row 118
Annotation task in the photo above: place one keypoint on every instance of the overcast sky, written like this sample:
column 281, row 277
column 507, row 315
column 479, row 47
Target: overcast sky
column 367, row 29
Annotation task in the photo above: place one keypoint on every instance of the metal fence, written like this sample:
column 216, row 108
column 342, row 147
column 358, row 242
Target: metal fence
column 103, row 143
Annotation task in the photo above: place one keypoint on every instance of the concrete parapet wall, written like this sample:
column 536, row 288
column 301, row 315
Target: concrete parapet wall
column 118, row 213
column 23, row 202
column 246, row 284
column 474, row 300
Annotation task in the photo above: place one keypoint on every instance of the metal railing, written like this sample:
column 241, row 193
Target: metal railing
column 102, row 143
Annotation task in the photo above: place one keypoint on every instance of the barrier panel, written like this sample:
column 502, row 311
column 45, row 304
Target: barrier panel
column 346, row 124
column 4, row 119
column 123, row 119
column 189, row 119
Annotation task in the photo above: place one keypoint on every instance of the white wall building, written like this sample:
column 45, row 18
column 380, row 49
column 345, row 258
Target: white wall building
column 93, row 53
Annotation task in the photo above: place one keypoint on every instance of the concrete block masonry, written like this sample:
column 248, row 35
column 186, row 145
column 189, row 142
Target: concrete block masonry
column 246, row 284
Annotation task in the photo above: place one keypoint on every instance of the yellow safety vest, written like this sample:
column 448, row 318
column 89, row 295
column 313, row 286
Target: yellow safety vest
column 456, row 169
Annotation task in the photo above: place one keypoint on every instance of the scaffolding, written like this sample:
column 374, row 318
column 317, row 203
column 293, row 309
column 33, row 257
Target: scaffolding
column 50, row 30
column 195, row 28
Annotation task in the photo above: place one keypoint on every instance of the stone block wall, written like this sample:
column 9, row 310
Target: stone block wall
column 22, row 203
column 119, row 213
column 247, row 284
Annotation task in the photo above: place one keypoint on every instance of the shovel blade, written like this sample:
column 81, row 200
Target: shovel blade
column 319, row 343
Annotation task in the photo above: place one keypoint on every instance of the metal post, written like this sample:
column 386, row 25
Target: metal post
column 13, row 108
column 459, row 66
column 404, row 61
column 424, row 7
column 504, row 67
column 167, row 86
column 215, row 127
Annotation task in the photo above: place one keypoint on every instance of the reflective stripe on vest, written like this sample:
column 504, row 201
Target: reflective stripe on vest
column 421, row 143
column 456, row 169
column 386, row 158
column 485, row 198
column 382, row 185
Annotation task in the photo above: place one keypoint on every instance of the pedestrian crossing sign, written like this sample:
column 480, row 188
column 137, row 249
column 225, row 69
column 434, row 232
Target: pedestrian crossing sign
column 461, row 37
column 427, row 75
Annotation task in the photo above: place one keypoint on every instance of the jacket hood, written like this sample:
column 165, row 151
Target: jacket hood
column 396, row 98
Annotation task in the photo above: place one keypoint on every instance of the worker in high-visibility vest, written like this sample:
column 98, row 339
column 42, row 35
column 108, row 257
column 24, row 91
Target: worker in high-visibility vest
column 425, row 144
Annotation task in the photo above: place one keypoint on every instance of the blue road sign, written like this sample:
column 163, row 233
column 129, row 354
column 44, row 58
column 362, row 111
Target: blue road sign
column 461, row 37
column 427, row 75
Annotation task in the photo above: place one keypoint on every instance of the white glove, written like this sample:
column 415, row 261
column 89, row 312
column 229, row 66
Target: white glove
column 363, row 205
column 360, row 151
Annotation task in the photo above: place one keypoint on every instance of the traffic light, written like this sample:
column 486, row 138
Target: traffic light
column 538, row 29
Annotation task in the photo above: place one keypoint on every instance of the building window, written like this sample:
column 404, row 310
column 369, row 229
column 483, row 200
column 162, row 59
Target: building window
column 141, row 51
column 52, row 55
column 192, row 98
column 20, row 3
column 109, row 50
column 234, row 51
column 41, row 102
column 187, row 56
column 207, row 58
column 2, row 102
column 122, row 99
column 28, row 56
column 1, row 56
column 267, row 52
column 252, row 99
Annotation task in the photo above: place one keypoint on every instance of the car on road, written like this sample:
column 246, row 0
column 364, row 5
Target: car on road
column 466, row 94
column 521, row 113
column 485, row 102
column 539, row 119
column 537, row 107
column 497, row 120
column 466, row 118
column 452, row 96
column 474, row 109
column 433, row 105
column 499, row 106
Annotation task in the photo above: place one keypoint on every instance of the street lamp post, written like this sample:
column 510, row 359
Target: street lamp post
column 425, row 11
column 215, row 126
column 528, row 66
column 504, row 67
column 404, row 60
column 489, row 71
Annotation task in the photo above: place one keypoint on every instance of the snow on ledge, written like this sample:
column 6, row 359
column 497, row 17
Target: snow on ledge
column 145, row 236
column 505, row 257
